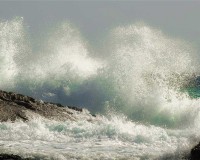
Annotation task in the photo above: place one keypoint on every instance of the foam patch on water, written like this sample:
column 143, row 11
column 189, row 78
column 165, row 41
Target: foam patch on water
column 103, row 138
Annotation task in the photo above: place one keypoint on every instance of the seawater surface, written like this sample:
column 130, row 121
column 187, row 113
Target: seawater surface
column 104, row 138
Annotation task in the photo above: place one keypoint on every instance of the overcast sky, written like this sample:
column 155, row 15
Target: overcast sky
column 95, row 19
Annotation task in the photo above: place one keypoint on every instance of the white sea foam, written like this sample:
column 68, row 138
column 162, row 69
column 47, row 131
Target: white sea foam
column 104, row 138
column 141, row 77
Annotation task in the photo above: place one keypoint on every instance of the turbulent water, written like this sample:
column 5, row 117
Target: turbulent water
column 143, row 88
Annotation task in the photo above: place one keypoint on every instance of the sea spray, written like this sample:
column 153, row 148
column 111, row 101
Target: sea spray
column 148, row 69
column 144, row 76
column 141, row 76
column 63, row 63
column 13, row 49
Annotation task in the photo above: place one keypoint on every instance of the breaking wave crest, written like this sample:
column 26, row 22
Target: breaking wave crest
column 142, row 75
column 145, row 75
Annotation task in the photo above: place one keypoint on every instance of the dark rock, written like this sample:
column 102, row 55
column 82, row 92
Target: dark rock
column 75, row 108
column 17, row 106
column 12, row 157
column 195, row 153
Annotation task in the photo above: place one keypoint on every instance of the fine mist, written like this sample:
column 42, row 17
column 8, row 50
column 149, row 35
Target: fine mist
column 142, row 75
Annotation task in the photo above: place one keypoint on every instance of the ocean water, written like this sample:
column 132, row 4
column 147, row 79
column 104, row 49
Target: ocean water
column 143, row 88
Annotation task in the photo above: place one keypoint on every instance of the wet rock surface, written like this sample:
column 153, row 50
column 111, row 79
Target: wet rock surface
column 15, row 106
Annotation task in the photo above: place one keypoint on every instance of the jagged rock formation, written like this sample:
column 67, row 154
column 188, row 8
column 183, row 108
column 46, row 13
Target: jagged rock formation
column 16, row 106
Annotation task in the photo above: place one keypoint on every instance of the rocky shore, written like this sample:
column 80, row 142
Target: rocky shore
column 15, row 106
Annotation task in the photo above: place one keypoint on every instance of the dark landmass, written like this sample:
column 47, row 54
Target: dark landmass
column 5, row 156
column 16, row 106
column 12, row 157
column 195, row 153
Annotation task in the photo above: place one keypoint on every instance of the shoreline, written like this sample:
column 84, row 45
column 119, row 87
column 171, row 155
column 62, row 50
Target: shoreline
column 15, row 106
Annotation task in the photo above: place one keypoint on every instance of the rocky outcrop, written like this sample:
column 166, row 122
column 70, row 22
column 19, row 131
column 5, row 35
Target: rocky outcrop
column 16, row 106
column 195, row 153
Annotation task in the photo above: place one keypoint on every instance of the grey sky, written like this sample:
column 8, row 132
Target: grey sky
column 95, row 19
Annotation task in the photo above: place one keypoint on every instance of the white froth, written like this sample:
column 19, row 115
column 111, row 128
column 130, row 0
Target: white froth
column 142, row 78
column 105, row 138
column 148, row 70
